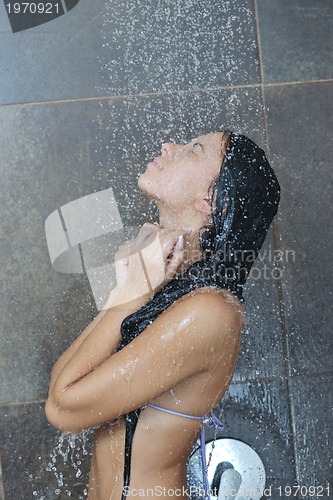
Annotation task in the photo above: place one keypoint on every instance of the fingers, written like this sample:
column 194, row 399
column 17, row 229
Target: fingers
column 123, row 251
column 148, row 233
column 146, row 230
column 172, row 241
column 136, row 244
column 154, row 257
column 176, row 257
column 159, row 240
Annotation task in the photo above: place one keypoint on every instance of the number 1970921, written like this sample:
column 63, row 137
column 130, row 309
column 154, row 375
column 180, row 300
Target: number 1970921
column 32, row 8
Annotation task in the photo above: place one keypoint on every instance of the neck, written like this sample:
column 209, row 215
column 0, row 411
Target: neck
column 189, row 220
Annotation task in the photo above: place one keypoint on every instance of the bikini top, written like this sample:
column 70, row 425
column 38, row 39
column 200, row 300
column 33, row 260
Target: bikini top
column 211, row 421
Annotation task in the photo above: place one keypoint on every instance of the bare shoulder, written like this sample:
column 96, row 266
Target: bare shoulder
column 215, row 300
column 216, row 310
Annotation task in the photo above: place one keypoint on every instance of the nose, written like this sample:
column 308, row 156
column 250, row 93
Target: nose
column 169, row 149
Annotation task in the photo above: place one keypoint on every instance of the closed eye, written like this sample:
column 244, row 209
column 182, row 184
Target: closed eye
column 195, row 146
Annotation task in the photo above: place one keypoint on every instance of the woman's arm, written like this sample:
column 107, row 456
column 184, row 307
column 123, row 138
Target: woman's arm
column 68, row 354
column 147, row 266
column 99, row 339
column 140, row 268
column 196, row 331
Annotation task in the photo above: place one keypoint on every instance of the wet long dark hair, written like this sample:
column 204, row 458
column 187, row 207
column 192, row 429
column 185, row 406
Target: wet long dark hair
column 246, row 196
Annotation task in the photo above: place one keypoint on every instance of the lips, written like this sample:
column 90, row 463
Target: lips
column 155, row 162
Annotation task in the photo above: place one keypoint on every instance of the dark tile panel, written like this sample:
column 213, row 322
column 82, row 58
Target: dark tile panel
column 56, row 60
column 55, row 154
column 4, row 21
column 261, row 352
column 41, row 310
column 312, row 406
column 116, row 48
column 296, row 39
column 300, row 125
column 185, row 45
column 38, row 462
column 257, row 414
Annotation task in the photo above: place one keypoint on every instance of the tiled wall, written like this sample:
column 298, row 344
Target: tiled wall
column 85, row 100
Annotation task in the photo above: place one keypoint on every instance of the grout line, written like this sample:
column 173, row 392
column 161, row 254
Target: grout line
column 126, row 96
column 261, row 66
column 17, row 403
column 2, row 491
column 283, row 377
column 285, row 340
column 154, row 94
column 288, row 377
column 278, row 265
column 60, row 101
column 283, row 322
column 301, row 82
column 292, row 437
column 275, row 224
column 261, row 70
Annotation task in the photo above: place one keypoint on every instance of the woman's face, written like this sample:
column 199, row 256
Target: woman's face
column 184, row 172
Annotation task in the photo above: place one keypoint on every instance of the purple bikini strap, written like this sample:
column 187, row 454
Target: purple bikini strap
column 176, row 412
column 212, row 421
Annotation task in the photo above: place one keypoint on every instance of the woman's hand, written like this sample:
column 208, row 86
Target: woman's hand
column 147, row 263
column 121, row 262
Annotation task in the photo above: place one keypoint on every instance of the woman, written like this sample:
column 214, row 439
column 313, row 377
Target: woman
column 170, row 332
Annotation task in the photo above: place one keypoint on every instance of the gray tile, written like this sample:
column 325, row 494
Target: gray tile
column 261, row 352
column 56, row 60
column 296, row 39
column 44, row 460
column 300, row 124
column 4, row 21
column 54, row 154
column 116, row 48
column 257, row 414
column 179, row 45
column 41, row 311
column 312, row 406
column 2, row 493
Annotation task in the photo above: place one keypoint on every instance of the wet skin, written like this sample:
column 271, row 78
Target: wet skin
column 162, row 442
column 183, row 361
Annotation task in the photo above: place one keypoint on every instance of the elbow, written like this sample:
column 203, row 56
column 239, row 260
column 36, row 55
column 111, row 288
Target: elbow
column 66, row 411
column 60, row 419
column 52, row 413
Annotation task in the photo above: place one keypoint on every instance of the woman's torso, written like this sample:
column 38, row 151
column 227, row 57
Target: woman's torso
column 162, row 442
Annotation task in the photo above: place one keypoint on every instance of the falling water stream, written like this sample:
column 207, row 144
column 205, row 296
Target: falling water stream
column 70, row 451
column 173, row 64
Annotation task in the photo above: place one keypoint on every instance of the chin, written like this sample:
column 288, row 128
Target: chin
column 146, row 186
